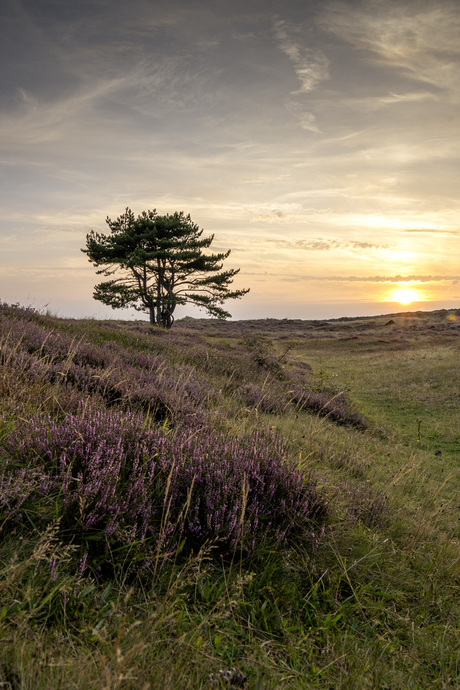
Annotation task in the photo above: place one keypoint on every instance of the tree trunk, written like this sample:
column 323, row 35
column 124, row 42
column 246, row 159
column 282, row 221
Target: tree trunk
column 166, row 319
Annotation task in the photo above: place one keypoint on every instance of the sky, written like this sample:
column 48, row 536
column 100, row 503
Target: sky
column 319, row 141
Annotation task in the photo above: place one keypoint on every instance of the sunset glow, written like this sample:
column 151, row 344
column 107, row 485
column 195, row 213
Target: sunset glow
column 405, row 296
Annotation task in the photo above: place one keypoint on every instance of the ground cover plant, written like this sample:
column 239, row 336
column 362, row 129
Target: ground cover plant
column 258, row 495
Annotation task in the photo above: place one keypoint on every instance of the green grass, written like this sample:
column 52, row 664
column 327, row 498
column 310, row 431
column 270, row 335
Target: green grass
column 375, row 606
column 396, row 389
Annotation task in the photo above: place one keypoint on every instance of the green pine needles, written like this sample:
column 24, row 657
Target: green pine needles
column 159, row 263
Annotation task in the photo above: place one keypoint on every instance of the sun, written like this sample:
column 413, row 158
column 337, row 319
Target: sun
column 405, row 296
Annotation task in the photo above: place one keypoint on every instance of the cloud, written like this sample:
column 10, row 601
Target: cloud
column 360, row 279
column 403, row 35
column 306, row 119
column 272, row 213
column 168, row 83
column 319, row 244
column 325, row 245
column 406, row 98
column 381, row 279
column 271, row 217
column 432, row 231
column 263, row 178
column 53, row 229
column 310, row 66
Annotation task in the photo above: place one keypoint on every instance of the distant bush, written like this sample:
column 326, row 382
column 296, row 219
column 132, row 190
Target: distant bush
column 263, row 354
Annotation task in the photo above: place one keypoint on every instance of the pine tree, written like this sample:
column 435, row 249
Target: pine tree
column 159, row 263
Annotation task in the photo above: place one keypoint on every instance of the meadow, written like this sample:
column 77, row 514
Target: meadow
column 277, row 497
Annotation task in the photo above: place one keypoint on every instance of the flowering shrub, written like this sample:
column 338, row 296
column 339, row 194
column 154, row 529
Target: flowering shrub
column 147, row 380
column 132, row 485
column 117, row 375
column 90, row 450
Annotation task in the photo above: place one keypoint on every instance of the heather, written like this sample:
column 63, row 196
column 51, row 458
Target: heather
column 275, row 496
column 130, row 450
column 152, row 488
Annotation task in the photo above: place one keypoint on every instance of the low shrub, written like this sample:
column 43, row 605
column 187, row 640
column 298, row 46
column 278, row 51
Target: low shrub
column 116, row 484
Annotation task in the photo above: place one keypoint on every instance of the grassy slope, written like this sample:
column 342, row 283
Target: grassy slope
column 375, row 606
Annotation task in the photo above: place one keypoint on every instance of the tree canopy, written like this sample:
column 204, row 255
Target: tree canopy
column 157, row 263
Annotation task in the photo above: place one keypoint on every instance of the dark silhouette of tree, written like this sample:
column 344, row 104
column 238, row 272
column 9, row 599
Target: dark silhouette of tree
column 158, row 262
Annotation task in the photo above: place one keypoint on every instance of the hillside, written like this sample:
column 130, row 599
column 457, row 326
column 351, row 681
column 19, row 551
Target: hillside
column 275, row 496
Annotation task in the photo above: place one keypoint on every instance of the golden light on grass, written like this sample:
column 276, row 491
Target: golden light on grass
column 405, row 296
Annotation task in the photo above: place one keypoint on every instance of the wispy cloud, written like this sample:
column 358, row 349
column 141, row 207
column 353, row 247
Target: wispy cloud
column 321, row 244
column 325, row 245
column 52, row 230
column 379, row 279
column 391, row 279
column 272, row 213
column 141, row 90
column 433, row 231
column 419, row 279
column 422, row 39
column 260, row 179
column 306, row 119
column 415, row 97
column 311, row 67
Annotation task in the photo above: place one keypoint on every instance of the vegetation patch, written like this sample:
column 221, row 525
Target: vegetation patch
column 255, row 501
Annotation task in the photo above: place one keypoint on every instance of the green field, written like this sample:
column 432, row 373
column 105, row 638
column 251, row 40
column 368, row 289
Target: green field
column 372, row 603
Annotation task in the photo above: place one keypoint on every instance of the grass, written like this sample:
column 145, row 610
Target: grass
column 364, row 595
column 420, row 380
